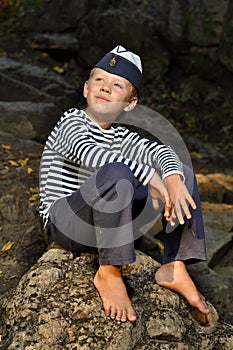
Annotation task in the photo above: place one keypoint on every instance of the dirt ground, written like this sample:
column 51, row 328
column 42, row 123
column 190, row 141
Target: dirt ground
column 19, row 222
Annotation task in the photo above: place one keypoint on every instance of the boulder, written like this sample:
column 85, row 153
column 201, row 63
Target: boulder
column 57, row 306
column 28, row 120
column 195, row 28
column 216, row 188
column 31, row 99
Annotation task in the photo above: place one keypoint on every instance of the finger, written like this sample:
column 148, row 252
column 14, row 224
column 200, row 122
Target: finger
column 179, row 214
column 185, row 206
column 155, row 203
column 173, row 218
column 166, row 201
column 188, row 214
column 191, row 201
column 185, row 209
column 167, row 212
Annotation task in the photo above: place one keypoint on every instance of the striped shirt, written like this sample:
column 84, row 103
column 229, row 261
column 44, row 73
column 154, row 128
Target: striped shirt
column 77, row 147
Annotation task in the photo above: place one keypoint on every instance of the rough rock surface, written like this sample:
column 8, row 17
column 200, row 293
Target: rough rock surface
column 56, row 306
column 31, row 99
column 190, row 27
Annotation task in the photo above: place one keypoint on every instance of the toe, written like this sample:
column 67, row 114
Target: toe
column 203, row 307
column 119, row 315
column 124, row 316
column 107, row 310
column 113, row 313
column 131, row 315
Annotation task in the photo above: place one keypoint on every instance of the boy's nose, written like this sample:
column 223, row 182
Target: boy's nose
column 105, row 88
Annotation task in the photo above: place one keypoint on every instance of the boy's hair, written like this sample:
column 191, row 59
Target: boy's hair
column 134, row 91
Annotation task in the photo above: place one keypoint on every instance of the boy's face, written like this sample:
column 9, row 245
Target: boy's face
column 107, row 95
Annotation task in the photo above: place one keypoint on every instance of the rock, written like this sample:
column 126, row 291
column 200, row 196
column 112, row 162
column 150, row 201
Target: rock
column 28, row 120
column 219, row 234
column 218, row 288
column 225, row 51
column 216, row 238
column 216, row 188
column 18, row 144
column 36, row 77
column 190, row 28
column 31, row 99
column 60, row 42
column 214, row 278
column 15, row 90
column 57, row 306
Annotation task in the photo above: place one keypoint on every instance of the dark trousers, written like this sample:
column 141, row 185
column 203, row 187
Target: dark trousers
column 107, row 211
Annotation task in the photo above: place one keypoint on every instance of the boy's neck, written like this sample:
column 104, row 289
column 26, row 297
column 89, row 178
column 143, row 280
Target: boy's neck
column 104, row 126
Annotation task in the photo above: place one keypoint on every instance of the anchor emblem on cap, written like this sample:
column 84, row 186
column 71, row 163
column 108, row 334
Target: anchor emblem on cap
column 112, row 62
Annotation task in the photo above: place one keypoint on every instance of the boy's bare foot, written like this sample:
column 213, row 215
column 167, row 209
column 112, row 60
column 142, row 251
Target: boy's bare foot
column 110, row 285
column 175, row 276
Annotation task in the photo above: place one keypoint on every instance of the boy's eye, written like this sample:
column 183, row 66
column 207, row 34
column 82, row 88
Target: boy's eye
column 118, row 85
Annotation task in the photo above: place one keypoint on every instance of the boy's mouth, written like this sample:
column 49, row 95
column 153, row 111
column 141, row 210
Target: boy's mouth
column 102, row 99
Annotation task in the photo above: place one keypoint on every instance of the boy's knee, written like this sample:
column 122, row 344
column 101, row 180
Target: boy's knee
column 188, row 172
column 115, row 172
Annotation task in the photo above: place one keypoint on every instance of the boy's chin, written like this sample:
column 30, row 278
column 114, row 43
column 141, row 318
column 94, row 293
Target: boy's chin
column 107, row 112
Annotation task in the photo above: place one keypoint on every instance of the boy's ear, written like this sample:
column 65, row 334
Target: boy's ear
column 131, row 105
column 85, row 89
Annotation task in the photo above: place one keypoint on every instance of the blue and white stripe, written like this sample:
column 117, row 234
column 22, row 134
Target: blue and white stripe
column 77, row 147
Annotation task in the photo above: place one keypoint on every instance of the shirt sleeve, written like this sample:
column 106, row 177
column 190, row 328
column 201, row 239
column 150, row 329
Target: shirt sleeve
column 152, row 153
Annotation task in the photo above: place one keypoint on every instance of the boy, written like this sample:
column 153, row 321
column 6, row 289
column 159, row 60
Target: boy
column 99, row 181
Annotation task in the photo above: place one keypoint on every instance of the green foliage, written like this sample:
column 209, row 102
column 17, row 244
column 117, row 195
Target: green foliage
column 186, row 95
column 208, row 22
column 22, row 7
column 197, row 63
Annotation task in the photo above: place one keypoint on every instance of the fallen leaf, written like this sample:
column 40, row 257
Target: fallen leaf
column 6, row 147
column 13, row 162
column 1, row 272
column 23, row 162
column 196, row 155
column 34, row 197
column 29, row 170
column 58, row 69
column 7, row 247
column 174, row 95
column 34, row 189
column 205, row 203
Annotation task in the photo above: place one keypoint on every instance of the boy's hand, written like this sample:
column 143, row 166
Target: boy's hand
column 180, row 200
column 158, row 191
